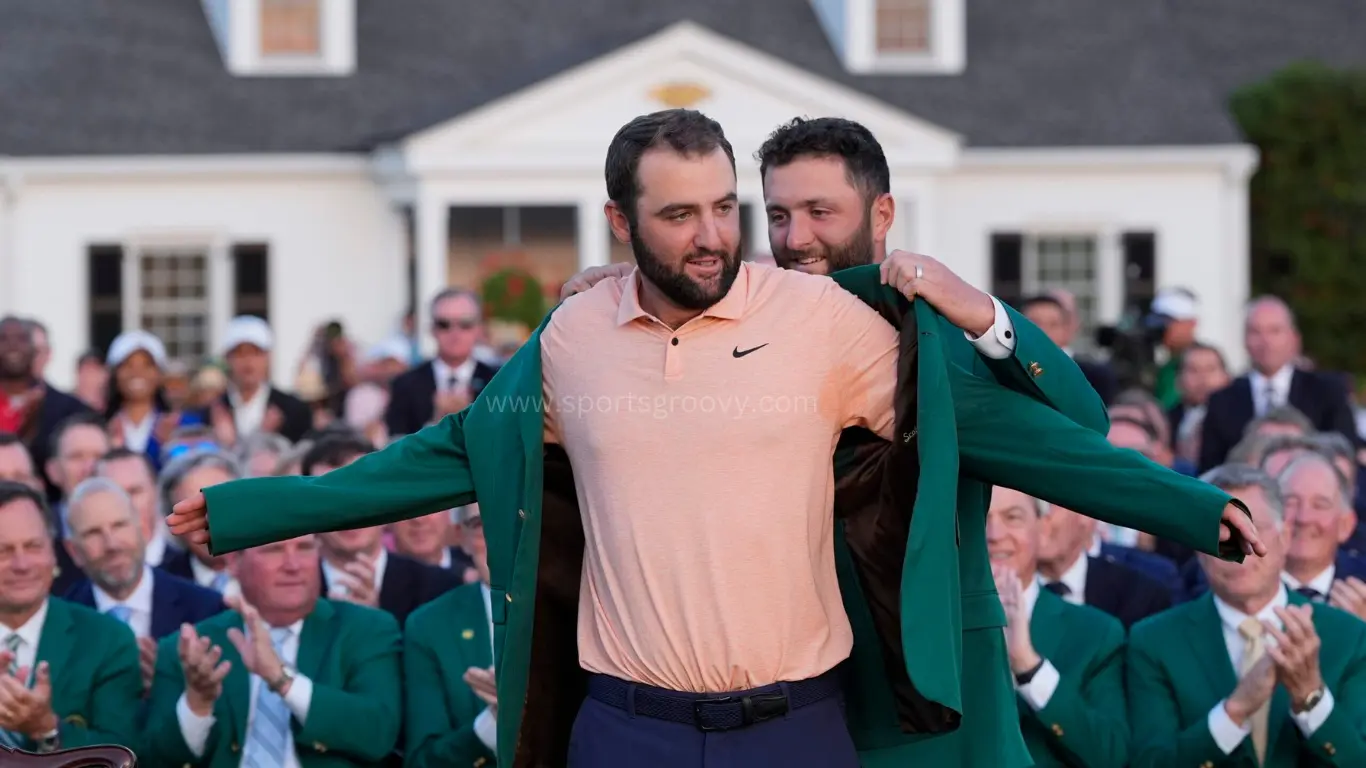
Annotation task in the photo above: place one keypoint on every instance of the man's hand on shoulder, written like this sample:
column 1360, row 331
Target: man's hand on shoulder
column 957, row 300
column 592, row 276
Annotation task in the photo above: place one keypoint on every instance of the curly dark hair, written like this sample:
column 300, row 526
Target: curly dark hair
column 864, row 162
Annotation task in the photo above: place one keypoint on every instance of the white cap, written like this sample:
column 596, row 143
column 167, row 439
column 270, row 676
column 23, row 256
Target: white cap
column 247, row 329
column 128, row 342
column 1176, row 304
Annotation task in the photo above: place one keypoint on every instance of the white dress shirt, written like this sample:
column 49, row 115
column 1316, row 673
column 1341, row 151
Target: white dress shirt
column 337, row 579
column 485, row 724
column 1074, row 578
column 139, row 603
column 205, row 576
column 136, row 436
column 1228, row 734
column 30, row 633
column 998, row 342
column 247, row 415
column 1039, row 690
column 196, row 730
column 1321, row 583
column 1279, row 381
column 463, row 373
column 155, row 551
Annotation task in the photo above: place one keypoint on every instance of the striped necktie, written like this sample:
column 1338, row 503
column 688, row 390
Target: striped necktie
column 268, row 735
column 11, row 644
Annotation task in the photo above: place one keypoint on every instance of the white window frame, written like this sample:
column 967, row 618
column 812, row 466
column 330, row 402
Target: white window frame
column 948, row 41
column 1032, row 285
column 241, row 43
column 220, row 279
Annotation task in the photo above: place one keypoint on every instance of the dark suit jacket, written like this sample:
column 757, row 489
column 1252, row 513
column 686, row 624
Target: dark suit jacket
column 1317, row 396
column 1123, row 592
column 1101, row 376
column 177, row 563
column 175, row 601
column 410, row 401
column 57, row 406
column 1154, row 566
column 298, row 417
column 1197, row 584
column 409, row 584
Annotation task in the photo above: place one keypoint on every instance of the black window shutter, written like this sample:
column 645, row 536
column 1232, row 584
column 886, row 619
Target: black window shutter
column 1007, row 267
column 1140, row 270
column 104, row 276
column 251, row 270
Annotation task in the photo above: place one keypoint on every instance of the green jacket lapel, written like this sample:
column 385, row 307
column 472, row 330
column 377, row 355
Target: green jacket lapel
column 1206, row 637
column 237, row 685
column 472, row 621
column 315, row 639
column 57, row 641
column 933, row 649
column 1046, row 624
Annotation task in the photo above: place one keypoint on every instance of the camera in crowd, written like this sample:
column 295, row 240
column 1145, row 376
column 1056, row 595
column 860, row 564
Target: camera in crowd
column 1133, row 341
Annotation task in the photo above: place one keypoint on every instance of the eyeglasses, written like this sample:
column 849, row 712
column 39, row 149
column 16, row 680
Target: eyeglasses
column 176, row 451
column 464, row 323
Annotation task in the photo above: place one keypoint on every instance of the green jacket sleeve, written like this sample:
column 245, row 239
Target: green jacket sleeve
column 424, row 472
column 117, row 686
column 434, row 736
column 361, row 718
column 1088, row 706
column 1040, row 369
column 1008, row 439
column 1159, row 741
column 161, row 742
column 1341, row 740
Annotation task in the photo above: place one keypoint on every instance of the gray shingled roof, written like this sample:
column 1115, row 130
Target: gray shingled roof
column 80, row 77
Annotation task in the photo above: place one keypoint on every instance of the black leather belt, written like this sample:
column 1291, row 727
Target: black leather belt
column 709, row 712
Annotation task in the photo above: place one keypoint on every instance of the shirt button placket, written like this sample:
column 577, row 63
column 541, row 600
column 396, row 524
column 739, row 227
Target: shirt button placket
column 673, row 359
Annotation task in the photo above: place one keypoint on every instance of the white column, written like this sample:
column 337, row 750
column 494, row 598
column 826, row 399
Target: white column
column 432, row 244
column 1109, row 276
column 593, row 233
column 9, row 257
column 222, row 295
column 758, row 228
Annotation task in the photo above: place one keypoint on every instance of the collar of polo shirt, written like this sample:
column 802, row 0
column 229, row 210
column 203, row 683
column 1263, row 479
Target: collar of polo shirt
column 730, row 307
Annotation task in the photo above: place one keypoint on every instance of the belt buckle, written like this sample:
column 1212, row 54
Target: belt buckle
column 697, row 712
column 763, row 706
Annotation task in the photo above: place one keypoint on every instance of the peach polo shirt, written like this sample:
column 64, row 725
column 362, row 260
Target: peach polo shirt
column 702, row 457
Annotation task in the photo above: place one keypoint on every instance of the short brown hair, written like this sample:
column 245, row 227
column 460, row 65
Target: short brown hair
column 685, row 131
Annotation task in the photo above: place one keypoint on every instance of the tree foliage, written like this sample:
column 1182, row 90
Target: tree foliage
column 514, row 296
column 1308, row 203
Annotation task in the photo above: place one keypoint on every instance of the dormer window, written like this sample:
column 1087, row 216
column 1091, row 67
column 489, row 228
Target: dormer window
column 291, row 28
column 283, row 38
column 904, row 26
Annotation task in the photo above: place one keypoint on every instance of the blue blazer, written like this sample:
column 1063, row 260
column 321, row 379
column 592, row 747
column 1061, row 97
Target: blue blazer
column 1156, row 567
column 175, row 601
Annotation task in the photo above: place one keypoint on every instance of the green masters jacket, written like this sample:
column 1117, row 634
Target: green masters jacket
column 929, row 678
column 441, row 640
column 1179, row 668
column 1084, row 723
column 350, row 652
column 96, row 681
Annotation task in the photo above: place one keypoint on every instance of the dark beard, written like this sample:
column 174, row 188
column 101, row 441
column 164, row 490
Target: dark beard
column 676, row 286
column 854, row 252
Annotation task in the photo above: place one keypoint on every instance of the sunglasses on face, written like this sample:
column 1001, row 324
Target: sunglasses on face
column 464, row 323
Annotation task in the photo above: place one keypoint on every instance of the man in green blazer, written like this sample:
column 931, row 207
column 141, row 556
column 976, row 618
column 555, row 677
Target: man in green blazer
column 71, row 675
column 451, row 715
column 928, row 653
column 1250, row 673
column 1067, row 659
column 286, row 678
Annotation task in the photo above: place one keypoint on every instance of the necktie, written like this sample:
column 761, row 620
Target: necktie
column 268, row 735
column 220, row 581
column 1271, row 396
column 450, row 383
column 11, row 644
column 1254, row 648
column 1058, row 588
column 1310, row 594
column 121, row 612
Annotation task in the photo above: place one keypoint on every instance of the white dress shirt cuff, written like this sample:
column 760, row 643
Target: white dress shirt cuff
column 486, row 728
column 998, row 343
column 299, row 697
column 1039, row 691
column 1314, row 719
column 194, row 729
column 1227, row 734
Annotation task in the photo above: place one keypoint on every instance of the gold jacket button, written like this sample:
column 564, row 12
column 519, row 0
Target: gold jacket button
column 319, row 746
column 479, row 761
column 1057, row 729
column 522, row 514
column 1330, row 749
column 508, row 596
column 235, row 747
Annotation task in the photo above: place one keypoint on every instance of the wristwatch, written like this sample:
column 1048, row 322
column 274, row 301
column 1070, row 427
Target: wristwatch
column 1310, row 701
column 287, row 674
column 48, row 742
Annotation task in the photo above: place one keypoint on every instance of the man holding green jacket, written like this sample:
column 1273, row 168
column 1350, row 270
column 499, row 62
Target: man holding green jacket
column 691, row 407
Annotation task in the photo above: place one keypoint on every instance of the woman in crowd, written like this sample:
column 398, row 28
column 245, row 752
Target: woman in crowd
column 139, row 416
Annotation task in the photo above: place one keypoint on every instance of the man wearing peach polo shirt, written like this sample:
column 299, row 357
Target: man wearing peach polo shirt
column 684, row 453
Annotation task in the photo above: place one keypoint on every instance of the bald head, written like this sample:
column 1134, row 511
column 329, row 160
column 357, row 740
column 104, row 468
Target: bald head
column 1272, row 339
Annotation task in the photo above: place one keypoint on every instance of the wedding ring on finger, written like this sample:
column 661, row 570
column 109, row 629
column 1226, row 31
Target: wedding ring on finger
column 919, row 271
